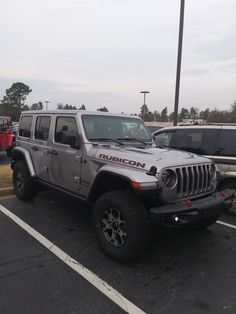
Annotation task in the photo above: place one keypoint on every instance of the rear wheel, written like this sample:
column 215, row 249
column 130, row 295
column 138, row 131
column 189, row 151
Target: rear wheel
column 25, row 188
column 122, row 225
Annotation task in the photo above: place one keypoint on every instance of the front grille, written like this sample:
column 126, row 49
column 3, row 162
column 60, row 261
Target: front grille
column 193, row 180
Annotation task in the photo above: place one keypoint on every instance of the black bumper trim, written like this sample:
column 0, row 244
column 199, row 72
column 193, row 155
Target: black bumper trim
column 194, row 210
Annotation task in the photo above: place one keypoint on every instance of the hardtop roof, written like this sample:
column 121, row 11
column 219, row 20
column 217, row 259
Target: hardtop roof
column 77, row 112
column 206, row 126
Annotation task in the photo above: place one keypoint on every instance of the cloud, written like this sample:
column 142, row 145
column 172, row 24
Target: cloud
column 105, row 51
column 227, row 67
column 196, row 72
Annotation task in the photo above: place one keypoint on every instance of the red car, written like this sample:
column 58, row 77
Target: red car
column 7, row 137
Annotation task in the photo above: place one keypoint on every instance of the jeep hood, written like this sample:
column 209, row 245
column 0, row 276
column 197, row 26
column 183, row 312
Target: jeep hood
column 144, row 158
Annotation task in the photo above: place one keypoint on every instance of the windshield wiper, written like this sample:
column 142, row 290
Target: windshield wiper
column 131, row 139
column 106, row 139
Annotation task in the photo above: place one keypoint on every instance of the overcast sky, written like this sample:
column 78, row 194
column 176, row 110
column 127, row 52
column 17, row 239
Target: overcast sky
column 104, row 52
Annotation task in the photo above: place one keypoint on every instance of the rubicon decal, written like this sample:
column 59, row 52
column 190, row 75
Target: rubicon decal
column 123, row 161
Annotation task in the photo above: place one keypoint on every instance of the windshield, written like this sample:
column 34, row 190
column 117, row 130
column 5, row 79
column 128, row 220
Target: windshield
column 111, row 127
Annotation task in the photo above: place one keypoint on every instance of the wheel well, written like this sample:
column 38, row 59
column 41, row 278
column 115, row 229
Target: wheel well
column 106, row 182
column 15, row 156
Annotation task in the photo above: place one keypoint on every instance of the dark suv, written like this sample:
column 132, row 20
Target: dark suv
column 217, row 142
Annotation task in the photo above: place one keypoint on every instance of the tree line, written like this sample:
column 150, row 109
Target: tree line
column 13, row 103
column 60, row 106
column 193, row 113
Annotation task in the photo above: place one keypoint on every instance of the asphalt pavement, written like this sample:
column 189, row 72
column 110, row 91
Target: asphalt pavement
column 184, row 272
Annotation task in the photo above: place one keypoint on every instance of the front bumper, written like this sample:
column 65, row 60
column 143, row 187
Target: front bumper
column 188, row 211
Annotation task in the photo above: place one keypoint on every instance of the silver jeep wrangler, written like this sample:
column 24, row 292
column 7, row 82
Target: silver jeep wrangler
column 111, row 161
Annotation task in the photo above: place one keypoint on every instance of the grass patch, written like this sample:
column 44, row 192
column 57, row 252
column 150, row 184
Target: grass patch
column 5, row 176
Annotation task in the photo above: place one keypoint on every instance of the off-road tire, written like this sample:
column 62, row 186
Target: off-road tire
column 8, row 151
column 205, row 223
column 231, row 185
column 137, row 223
column 24, row 186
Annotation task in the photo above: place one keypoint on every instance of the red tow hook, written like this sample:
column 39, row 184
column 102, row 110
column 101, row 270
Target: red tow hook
column 222, row 193
column 188, row 203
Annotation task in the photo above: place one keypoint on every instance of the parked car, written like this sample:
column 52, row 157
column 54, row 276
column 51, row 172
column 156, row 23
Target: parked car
column 7, row 137
column 217, row 142
column 15, row 126
column 110, row 161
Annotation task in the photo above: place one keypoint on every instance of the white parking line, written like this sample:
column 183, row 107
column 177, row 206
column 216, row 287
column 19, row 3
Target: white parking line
column 226, row 224
column 97, row 282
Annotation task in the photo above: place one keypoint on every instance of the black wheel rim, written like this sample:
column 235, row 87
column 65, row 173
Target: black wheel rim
column 19, row 180
column 114, row 227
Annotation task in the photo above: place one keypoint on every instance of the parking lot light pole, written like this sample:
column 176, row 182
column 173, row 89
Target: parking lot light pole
column 179, row 57
column 144, row 92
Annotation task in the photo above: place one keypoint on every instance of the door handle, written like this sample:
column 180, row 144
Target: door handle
column 53, row 152
column 35, row 148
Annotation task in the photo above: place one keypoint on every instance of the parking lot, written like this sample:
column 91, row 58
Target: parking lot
column 50, row 262
column 4, row 160
column 184, row 272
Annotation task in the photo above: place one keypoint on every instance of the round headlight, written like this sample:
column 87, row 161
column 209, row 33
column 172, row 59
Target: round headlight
column 169, row 178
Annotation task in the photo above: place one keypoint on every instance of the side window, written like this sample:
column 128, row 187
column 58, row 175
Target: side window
column 25, row 126
column 226, row 144
column 163, row 139
column 134, row 130
column 65, row 126
column 42, row 128
column 198, row 141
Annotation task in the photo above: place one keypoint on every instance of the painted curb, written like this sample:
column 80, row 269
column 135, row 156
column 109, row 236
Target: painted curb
column 6, row 191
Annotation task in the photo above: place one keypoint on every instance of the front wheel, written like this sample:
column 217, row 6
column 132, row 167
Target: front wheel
column 122, row 225
column 231, row 185
column 24, row 186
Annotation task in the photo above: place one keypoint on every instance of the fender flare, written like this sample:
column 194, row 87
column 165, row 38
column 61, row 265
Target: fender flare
column 106, row 172
column 19, row 151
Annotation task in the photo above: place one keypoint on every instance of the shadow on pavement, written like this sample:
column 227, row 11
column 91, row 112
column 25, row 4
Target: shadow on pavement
column 4, row 160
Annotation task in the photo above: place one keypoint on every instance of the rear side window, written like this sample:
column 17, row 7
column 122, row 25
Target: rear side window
column 42, row 128
column 198, row 141
column 25, row 126
column 226, row 144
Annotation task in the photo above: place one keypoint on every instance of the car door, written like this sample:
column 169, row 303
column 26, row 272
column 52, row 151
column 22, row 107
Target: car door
column 65, row 161
column 39, row 146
